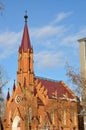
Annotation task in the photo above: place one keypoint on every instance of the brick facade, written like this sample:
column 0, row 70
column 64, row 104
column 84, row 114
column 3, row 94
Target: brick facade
column 38, row 103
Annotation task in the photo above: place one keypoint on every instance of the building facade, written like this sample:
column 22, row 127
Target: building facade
column 82, row 43
column 38, row 103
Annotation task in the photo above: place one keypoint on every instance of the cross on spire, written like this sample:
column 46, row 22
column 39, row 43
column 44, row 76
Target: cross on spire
column 26, row 16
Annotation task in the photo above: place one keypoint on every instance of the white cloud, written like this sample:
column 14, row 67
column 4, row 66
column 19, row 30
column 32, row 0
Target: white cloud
column 72, row 40
column 8, row 43
column 61, row 16
column 47, row 59
column 9, row 38
column 51, row 29
column 47, row 31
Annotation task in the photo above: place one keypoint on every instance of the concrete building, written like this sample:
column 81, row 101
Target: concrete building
column 82, row 43
column 38, row 103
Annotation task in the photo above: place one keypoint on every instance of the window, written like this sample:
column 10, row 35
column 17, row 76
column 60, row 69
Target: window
column 64, row 117
column 52, row 117
column 75, row 118
column 30, row 115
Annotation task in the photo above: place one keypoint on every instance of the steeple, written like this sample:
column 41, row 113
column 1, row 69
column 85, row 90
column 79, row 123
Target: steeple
column 8, row 95
column 25, row 74
column 25, row 44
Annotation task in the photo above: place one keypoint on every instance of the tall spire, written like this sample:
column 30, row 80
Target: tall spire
column 25, row 44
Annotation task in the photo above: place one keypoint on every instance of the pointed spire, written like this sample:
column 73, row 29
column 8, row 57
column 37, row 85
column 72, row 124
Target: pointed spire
column 8, row 95
column 14, row 87
column 25, row 44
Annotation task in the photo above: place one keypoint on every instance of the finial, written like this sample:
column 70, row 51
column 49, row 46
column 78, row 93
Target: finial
column 26, row 17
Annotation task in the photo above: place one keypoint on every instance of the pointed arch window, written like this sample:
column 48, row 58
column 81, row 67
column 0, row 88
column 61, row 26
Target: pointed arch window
column 30, row 115
column 64, row 117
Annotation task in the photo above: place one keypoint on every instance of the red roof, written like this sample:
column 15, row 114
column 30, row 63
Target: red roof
column 56, row 88
column 25, row 44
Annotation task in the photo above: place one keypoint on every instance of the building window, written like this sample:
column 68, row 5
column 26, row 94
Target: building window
column 46, row 127
column 30, row 115
column 75, row 119
column 52, row 117
column 64, row 117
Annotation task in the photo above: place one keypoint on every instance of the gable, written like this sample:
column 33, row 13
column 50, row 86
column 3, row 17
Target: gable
column 56, row 88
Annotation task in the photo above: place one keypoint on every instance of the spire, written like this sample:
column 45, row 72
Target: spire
column 14, row 87
column 8, row 95
column 25, row 44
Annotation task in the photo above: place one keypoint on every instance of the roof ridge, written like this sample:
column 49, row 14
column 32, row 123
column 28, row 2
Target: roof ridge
column 48, row 79
column 69, row 90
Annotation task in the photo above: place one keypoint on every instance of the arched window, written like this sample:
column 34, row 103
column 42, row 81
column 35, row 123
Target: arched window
column 16, row 123
column 64, row 117
column 30, row 114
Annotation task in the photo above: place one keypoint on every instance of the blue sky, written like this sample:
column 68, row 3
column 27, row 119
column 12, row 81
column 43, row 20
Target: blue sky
column 54, row 28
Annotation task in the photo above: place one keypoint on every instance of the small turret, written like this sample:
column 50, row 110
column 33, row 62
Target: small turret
column 8, row 95
column 14, row 86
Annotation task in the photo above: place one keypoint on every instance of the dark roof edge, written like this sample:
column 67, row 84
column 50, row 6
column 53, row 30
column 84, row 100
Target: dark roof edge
column 48, row 79
column 82, row 39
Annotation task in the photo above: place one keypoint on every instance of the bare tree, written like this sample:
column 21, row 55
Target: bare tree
column 75, row 78
column 3, row 82
column 79, row 83
column 1, row 5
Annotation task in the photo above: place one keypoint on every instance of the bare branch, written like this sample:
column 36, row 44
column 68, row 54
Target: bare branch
column 3, row 82
column 1, row 5
column 75, row 78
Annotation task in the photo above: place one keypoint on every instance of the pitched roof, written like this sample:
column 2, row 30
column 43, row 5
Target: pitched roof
column 25, row 44
column 56, row 88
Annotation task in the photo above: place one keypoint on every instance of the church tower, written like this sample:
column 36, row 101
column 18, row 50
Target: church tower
column 19, row 104
column 25, row 74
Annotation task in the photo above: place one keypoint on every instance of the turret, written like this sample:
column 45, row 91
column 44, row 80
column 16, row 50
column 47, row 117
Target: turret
column 8, row 95
column 14, row 87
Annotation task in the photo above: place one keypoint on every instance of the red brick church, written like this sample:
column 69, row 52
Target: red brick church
column 38, row 103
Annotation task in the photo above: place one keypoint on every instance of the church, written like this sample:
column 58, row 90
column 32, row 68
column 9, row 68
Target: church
column 38, row 103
